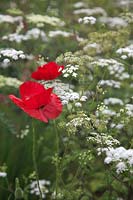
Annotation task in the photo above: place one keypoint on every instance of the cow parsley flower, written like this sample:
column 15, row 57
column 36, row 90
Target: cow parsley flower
column 8, row 81
column 43, row 184
column 83, row 98
column 113, row 101
column 33, row 33
column 9, row 54
column 112, row 22
column 44, row 19
column 3, row 174
column 102, row 139
column 89, row 11
column 117, row 126
column 123, row 158
column 59, row 33
column 120, row 167
column 110, row 83
column 129, row 109
column 87, row 20
column 10, row 19
column 78, row 104
column 127, row 51
column 114, row 67
column 79, row 4
column 63, row 90
column 70, row 71
column 78, row 121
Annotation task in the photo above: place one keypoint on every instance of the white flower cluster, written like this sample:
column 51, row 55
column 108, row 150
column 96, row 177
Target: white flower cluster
column 110, row 83
column 12, row 53
column 74, row 96
column 121, row 156
column 108, row 112
column 128, row 17
column 131, row 85
column 79, row 4
column 56, row 195
column 102, row 139
column 105, row 62
column 59, row 33
column 23, row 132
column 10, row 19
column 8, row 81
column 126, row 52
column 44, row 19
column 34, row 33
column 87, row 20
column 117, row 126
column 43, row 186
column 113, row 22
column 70, row 70
column 9, row 54
column 78, row 121
column 3, row 174
column 113, row 101
column 89, row 11
column 105, row 111
column 114, row 67
column 64, row 91
column 94, row 46
column 124, row 3
column 119, row 198
column 129, row 109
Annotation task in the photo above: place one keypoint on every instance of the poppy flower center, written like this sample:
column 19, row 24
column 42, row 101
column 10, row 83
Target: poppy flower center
column 41, row 107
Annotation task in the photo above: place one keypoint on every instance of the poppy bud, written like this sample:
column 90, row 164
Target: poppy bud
column 18, row 191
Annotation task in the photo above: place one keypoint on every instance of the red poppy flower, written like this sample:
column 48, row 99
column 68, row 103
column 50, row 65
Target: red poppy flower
column 47, row 71
column 38, row 102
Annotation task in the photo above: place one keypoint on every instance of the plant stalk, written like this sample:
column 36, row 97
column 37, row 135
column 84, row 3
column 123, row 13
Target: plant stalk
column 34, row 159
column 57, row 161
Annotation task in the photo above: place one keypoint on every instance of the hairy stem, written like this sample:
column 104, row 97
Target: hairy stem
column 34, row 160
column 57, row 164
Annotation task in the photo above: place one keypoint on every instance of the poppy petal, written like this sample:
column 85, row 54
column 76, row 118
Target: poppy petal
column 38, row 100
column 54, row 108
column 17, row 101
column 47, row 71
column 35, row 113
column 30, row 88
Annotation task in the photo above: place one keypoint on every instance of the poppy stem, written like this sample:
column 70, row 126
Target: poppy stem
column 34, row 159
column 57, row 159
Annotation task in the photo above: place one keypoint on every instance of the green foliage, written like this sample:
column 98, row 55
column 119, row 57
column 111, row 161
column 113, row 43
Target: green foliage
column 73, row 153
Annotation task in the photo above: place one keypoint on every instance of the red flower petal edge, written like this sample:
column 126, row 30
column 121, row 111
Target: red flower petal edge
column 47, row 71
column 39, row 103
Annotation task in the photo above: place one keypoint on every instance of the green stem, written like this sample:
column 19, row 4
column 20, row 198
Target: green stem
column 9, row 196
column 57, row 164
column 34, row 160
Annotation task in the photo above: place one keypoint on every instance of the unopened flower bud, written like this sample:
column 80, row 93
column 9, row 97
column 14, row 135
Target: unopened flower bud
column 18, row 191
